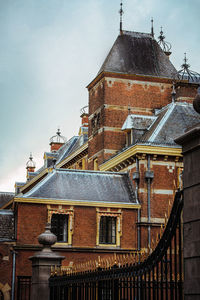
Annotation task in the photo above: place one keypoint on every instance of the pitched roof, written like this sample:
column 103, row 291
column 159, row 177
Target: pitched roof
column 94, row 186
column 6, row 225
column 137, row 53
column 5, row 197
column 172, row 121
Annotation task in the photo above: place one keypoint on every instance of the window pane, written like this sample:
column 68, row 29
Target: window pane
column 107, row 234
column 59, row 226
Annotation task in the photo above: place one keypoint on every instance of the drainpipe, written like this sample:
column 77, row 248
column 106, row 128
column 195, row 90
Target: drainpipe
column 13, row 275
column 149, row 175
column 136, row 178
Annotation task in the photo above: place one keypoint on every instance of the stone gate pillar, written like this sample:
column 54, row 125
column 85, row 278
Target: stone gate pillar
column 190, row 142
column 41, row 265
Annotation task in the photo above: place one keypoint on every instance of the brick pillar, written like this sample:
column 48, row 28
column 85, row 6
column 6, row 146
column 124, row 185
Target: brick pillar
column 190, row 142
column 41, row 265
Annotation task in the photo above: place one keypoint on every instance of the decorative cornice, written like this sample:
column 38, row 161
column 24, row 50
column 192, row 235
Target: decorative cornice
column 139, row 149
column 128, row 76
column 78, row 203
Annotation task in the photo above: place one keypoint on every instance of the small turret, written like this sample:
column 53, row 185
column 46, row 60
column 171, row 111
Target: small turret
column 30, row 165
column 57, row 141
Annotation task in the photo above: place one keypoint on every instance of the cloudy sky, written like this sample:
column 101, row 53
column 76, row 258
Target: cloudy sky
column 51, row 49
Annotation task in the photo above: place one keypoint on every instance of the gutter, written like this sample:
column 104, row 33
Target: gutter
column 149, row 175
column 13, row 275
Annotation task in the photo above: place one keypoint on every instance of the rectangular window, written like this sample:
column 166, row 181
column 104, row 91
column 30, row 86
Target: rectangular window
column 107, row 234
column 59, row 226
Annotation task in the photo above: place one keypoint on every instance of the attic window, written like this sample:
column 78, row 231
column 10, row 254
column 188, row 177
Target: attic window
column 59, row 226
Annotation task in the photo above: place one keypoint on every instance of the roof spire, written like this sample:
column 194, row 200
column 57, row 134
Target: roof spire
column 121, row 13
column 152, row 29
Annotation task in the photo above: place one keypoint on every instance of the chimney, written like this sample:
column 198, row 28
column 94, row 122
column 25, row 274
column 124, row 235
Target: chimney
column 84, row 120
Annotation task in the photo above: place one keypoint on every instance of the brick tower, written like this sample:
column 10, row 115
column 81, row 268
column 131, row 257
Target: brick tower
column 135, row 77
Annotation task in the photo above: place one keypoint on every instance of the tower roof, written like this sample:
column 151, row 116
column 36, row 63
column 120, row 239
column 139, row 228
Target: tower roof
column 137, row 53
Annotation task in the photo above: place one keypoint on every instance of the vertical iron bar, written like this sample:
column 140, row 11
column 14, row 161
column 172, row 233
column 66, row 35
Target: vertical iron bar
column 149, row 284
column 153, row 279
column 157, row 280
column 161, row 279
column 145, row 286
column 171, row 272
column 131, row 288
column 175, row 264
column 180, row 259
column 166, row 277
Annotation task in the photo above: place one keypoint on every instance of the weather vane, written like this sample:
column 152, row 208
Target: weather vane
column 121, row 13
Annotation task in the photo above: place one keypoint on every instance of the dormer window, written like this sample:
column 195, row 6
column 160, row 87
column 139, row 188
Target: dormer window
column 135, row 126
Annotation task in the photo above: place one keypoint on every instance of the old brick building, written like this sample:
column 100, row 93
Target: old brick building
column 108, row 189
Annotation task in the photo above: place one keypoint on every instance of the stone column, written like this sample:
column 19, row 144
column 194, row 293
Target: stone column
column 41, row 265
column 190, row 142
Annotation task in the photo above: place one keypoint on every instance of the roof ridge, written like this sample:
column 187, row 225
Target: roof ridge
column 89, row 171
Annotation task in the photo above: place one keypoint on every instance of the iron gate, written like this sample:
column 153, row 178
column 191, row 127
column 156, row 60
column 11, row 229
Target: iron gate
column 157, row 277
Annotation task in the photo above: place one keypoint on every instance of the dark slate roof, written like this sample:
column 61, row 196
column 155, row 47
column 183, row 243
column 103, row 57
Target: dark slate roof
column 138, row 122
column 172, row 121
column 5, row 197
column 71, row 146
column 95, row 186
column 66, row 149
column 138, row 53
column 6, row 225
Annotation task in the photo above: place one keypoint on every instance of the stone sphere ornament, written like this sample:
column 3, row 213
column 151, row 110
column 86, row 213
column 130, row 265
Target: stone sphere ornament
column 47, row 238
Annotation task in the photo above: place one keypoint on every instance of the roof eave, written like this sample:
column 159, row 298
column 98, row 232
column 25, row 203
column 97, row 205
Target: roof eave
column 78, row 202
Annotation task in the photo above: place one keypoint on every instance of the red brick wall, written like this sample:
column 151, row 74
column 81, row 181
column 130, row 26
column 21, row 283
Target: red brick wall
column 137, row 94
column 119, row 94
column 5, row 264
column 31, row 221
column 186, row 91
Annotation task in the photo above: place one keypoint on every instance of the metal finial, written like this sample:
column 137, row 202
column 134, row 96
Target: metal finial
column 186, row 74
column 152, row 29
column 30, row 163
column 121, row 13
column 185, row 65
column 166, row 47
column 58, row 131
column 173, row 93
